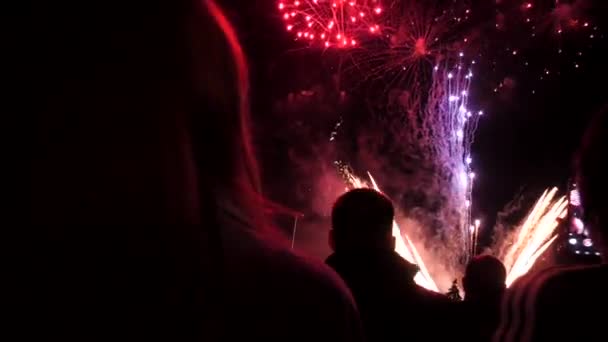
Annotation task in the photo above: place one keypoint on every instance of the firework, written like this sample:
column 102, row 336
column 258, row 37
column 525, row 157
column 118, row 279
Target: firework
column 534, row 236
column 439, row 127
column 332, row 23
column 416, row 36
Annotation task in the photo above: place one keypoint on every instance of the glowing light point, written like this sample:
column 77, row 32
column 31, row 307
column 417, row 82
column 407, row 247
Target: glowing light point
column 450, row 76
column 469, row 160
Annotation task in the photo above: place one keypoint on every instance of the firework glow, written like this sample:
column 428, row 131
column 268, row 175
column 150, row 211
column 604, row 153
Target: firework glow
column 332, row 23
column 519, row 253
column 532, row 238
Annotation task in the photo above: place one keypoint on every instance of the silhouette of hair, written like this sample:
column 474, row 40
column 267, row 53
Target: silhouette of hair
column 141, row 115
column 592, row 169
column 364, row 213
column 484, row 274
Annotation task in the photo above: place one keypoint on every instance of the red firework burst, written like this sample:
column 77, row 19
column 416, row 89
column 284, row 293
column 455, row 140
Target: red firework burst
column 331, row 23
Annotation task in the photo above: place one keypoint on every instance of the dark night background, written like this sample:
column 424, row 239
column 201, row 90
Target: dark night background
column 525, row 142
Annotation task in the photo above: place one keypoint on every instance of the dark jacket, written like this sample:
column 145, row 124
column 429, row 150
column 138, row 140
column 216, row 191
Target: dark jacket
column 479, row 317
column 392, row 306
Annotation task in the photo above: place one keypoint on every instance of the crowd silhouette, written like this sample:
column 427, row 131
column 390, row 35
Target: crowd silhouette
column 150, row 223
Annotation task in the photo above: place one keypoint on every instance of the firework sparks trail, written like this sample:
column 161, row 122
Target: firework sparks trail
column 535, row 235
column 332, row 23
column 403, row 246
column 441, row 126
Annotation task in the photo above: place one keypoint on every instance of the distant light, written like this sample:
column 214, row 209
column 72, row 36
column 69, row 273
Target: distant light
column 575, row 197
column 460, row 133
column 463, row 180
column 578, row 224
column 472, row 175
column 587, row 243
column 461, row 54
column 469, row 160
column 480, row 112
column 577, row 252
column 572, row 241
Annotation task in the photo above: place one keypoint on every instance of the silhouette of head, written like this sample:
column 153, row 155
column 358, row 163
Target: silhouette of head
column 484, row 277
column 592, row 168
column 362, row 219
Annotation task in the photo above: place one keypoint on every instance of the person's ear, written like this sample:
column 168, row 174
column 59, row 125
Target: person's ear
column 331, row 240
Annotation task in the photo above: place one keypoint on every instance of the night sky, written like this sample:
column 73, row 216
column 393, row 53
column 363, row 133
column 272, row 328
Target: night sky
column 525, row 142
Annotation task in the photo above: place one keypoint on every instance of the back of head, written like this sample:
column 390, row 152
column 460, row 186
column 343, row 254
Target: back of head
column 484, row 276
column 362, row 219
column 138, row 123
column 592, row 168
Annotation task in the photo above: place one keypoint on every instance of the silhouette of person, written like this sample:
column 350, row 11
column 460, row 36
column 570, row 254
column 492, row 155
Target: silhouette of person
column 144, row 190
column 543, row 306
column 484, row 284
column 392, row 306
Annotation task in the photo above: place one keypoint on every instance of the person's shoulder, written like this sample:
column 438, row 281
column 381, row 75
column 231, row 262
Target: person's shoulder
column 311, row 274
column 269, row 282
column 313, row 292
